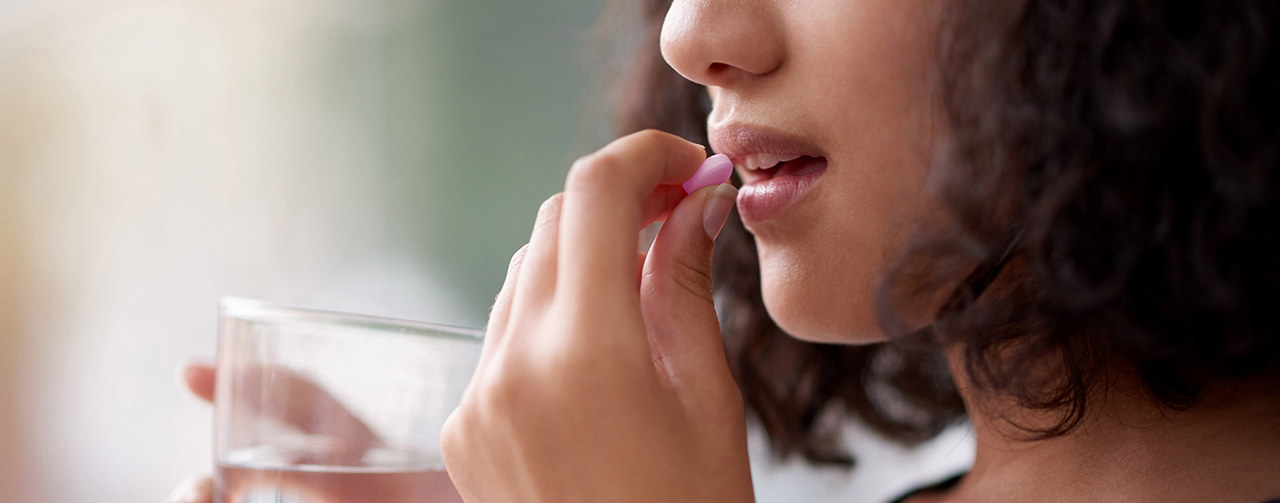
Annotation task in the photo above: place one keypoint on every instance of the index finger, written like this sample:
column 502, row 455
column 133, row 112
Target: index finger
column 604, row 204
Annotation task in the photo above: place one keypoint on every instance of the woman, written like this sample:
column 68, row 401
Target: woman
column 1071, row 204
column 1073, row 201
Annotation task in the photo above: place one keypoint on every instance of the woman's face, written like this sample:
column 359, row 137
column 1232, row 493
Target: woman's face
column 845, row 86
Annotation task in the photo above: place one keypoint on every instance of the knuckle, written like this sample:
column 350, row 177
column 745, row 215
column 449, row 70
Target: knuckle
column 503, row 390
column 593, row 172
column 517, row 258
column 452, row 433
column 690, row 278
column 550, row 209
column 652, row 136
column 548, row 214
column 655, row 139
column 462, row 431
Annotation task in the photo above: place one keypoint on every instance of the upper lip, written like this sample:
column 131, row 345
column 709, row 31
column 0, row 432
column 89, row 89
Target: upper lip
column 753, row 147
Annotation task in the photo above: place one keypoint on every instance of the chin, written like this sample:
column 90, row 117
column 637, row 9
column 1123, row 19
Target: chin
column 817, row 307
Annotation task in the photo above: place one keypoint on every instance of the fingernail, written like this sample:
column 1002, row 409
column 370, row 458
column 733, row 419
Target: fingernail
column 715, row 170
column 717, row 209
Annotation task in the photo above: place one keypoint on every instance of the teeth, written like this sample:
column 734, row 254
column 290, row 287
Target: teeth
column 765, row 161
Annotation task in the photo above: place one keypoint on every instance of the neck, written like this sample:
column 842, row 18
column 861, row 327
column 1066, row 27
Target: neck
column 1128, row 448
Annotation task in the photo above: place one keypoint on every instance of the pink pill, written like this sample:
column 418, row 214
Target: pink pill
column 713, row 171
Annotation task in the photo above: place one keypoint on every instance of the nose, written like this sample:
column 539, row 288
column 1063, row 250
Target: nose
column 721, row 42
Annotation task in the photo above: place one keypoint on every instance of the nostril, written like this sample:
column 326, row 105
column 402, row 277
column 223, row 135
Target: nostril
column 717, row 68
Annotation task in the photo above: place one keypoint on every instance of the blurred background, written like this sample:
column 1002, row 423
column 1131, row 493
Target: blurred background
column 382, row 156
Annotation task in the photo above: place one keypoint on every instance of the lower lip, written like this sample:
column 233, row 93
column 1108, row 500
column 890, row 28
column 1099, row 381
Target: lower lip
column 768, row 199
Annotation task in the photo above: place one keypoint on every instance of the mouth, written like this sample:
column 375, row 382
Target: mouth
column 777, row 169
column 760, row 168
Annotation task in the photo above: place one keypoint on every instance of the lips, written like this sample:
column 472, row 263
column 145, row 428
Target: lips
column 777, row 169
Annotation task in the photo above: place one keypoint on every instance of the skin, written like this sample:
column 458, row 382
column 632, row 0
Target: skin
column 603, row 377
column 1128, row 448
column 598, row 382
column 862, row 67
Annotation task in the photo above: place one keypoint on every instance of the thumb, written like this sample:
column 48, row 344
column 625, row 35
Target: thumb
column 675, row 288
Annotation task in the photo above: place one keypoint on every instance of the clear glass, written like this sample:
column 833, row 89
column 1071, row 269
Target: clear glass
column 319, row 406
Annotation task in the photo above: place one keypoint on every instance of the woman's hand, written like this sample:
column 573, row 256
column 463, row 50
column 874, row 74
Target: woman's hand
column 314, row 410
column 603, row 375
column 200, row 380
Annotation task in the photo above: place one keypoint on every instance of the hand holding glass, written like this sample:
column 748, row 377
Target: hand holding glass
column 317, row 406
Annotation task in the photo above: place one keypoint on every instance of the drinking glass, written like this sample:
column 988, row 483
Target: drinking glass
column 318, row 406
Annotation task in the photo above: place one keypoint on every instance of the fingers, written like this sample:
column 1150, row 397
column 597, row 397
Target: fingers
column 605, row 203
column 280, row 393
column 502, row 304
column 501, row 312
column 200, row 379
column 676, row 288
column 193, row 489
column 291, row 398
column 538, row 272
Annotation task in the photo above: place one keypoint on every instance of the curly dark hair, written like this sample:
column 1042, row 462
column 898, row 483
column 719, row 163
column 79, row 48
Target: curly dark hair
column 1121, row 158
column 1110, row 193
